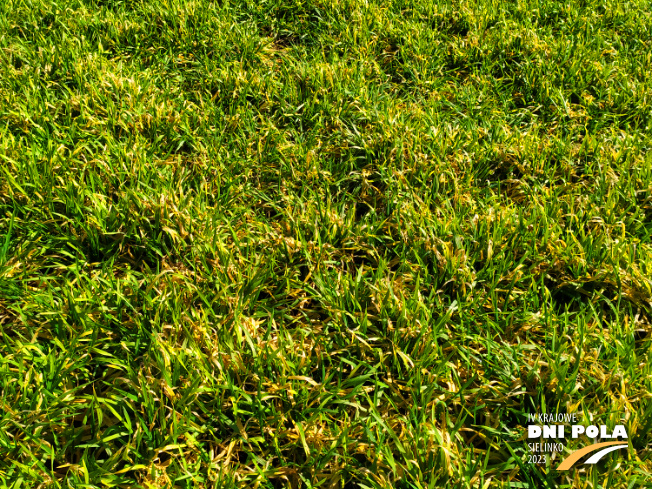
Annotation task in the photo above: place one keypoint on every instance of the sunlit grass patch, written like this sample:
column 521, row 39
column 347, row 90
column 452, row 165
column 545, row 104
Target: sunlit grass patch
column 321, row 243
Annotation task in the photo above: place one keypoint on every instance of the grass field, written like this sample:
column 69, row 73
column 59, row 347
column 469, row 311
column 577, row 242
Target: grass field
column 322, row 243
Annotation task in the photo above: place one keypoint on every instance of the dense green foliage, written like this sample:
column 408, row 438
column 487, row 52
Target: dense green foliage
column 321, row 243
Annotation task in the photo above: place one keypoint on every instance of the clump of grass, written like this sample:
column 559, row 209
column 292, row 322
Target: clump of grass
column 321, row 243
